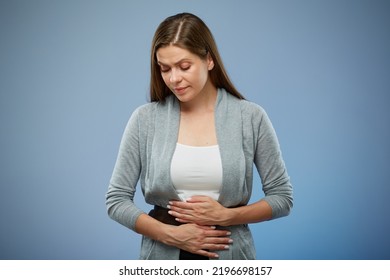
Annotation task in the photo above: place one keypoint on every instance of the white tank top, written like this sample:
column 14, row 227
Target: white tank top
column 196, row 171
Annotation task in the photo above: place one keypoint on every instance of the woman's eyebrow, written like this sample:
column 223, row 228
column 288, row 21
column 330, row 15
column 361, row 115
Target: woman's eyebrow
column 176, row 63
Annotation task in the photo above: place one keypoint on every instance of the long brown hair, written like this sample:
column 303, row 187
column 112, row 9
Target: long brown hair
column 189, row 32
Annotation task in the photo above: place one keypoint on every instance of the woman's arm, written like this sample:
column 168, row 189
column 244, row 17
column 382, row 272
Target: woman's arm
column 272, row 170
column 204, row 210
column 125, row 176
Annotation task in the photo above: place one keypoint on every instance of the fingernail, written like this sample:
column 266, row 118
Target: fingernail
column 216, row 256
column 213, row 227
column 228, row 233
column 170, row 202
column 169, row 206
column 230, row 240
column 226, row 247
column 170, row 212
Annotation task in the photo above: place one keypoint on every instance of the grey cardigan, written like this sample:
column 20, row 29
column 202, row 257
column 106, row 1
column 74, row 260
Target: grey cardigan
column 245, row 137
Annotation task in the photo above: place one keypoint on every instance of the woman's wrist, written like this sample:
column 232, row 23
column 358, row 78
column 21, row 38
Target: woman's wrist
column 165, row 235
column 154, row 229
column 257, row 212
column 228, row 217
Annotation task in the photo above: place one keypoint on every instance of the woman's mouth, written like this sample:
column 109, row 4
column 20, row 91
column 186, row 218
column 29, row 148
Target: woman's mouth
column 180, row 90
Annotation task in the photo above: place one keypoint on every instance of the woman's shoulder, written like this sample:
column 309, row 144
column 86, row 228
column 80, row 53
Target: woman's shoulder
column 254, row 116
column 141, row 115
column 251, row 109
column 251, row 106
column 153, row 105
column 145, row 110
column 148, row 111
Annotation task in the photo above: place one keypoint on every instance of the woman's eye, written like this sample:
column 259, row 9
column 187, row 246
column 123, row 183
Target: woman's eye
column 164, row 69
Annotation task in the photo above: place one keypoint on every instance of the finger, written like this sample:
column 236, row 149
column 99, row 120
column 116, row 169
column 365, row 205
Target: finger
column 182, row 221
column 180, row 216
column 217, row 233
column 208, row 254
column 216, row 247
column 179, row 211
column 211, row 247
column 178, row 204
column 194, row 220
column 221, row 242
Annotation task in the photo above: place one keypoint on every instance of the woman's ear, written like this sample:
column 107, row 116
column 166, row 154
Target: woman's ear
column 210, row 62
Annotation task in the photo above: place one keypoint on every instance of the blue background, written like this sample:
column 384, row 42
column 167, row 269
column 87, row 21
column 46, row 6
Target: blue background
column 71, row 73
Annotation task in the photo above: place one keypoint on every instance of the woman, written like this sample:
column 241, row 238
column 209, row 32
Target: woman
column 192, row 149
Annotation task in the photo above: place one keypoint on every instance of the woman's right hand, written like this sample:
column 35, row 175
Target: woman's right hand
column 201, row 240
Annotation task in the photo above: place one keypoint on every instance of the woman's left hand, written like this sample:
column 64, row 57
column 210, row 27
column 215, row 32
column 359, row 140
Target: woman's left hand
column 201, row 210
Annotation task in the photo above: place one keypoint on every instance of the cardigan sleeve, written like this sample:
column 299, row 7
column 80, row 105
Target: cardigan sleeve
column 271, row 167
column 125, row 176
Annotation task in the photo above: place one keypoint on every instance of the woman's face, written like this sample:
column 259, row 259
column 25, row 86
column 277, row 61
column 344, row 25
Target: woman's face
column 184, row 73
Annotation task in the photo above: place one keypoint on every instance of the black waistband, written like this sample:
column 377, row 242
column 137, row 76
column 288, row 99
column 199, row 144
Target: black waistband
column 161, row 214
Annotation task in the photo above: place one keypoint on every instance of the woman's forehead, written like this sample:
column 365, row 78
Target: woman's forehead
column 172, row 55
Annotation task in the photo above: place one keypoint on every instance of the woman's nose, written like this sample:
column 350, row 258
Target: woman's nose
column 175, row 76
